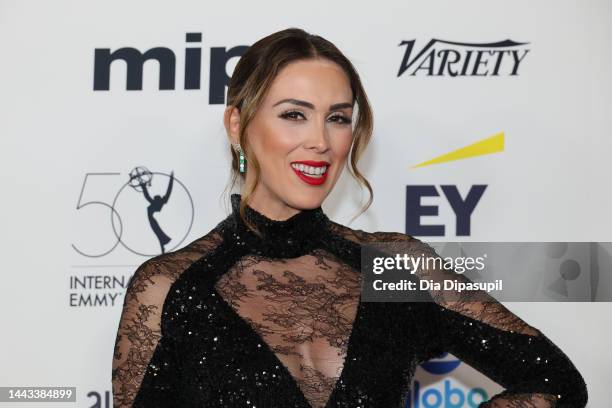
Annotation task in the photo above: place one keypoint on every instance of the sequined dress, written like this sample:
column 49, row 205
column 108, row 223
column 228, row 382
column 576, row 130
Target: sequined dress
column 235, row 320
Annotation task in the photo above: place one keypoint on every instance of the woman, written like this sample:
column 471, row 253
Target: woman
column 264, row 310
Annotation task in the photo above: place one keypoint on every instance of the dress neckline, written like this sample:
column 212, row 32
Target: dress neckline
column 293, row 237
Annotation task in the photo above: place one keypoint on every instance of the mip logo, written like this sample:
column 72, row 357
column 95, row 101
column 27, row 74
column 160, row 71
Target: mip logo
column 451, row 58
column 134, row 60
column 147, row 212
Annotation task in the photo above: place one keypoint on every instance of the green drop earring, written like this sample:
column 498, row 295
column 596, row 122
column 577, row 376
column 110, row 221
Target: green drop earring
column 239, row 150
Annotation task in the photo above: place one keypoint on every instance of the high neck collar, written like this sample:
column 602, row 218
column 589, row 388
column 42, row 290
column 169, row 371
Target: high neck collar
column 292, row 237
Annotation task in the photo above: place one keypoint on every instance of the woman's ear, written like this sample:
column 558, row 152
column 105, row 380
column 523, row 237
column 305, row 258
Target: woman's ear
column 231, row 120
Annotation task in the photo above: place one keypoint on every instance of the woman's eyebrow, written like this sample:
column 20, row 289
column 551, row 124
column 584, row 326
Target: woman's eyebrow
column 311, row 106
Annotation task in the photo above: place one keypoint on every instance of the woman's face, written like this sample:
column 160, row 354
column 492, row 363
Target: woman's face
column 301, row 135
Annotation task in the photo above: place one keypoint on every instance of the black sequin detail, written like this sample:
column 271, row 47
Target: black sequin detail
column 234, row 320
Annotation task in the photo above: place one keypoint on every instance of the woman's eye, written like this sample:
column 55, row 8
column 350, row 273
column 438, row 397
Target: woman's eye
column 295, row 115
column 291, row 115
column 341, row 119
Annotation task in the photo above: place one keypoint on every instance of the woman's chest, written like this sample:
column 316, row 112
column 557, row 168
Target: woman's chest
column 282, row 334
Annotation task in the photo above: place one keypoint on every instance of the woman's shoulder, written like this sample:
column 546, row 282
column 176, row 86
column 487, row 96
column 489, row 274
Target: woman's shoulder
column 369, row 237
column 154, row 277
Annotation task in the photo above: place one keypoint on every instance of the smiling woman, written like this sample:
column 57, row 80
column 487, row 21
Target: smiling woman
column 265, row 309
column 293, row 99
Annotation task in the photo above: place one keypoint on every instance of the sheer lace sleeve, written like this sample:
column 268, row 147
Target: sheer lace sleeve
column 140, row 336
column 147, row 367
column 480, row 331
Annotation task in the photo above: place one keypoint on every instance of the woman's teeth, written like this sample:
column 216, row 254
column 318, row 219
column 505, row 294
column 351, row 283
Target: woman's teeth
column 310, row 171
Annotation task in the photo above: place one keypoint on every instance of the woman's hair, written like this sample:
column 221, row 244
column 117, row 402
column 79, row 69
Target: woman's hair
column 253, row 76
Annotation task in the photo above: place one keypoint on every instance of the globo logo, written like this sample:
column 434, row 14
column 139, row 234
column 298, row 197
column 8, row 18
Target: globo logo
column 441, row 365
column 449, row 396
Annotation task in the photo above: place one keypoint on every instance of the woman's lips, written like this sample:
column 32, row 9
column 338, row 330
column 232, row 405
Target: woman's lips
column 314, row 181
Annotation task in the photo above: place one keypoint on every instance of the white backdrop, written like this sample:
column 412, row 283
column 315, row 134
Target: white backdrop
column 67, row 151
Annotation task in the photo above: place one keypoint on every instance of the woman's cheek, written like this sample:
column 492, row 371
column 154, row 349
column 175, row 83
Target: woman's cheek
column 277, row 139
column 289, row 133
column 341, row 142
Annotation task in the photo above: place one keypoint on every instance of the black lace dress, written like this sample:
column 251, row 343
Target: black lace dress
column 233, row 320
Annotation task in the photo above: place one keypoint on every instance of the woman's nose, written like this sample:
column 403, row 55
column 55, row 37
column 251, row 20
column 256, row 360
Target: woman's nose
column 318, row 137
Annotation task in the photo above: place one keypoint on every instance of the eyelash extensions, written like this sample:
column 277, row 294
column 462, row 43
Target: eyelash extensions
column 288, row 115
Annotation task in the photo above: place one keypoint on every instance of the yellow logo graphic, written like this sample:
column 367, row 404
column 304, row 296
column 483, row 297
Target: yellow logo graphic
column 492, row 144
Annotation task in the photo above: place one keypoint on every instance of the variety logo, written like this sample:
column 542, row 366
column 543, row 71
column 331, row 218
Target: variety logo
column 450, row 58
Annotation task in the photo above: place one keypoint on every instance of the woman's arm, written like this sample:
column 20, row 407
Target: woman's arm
column 531, row 368
column 480, row 331
column 144, row 361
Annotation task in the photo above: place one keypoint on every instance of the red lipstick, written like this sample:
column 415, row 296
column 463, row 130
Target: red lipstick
column 312, row 180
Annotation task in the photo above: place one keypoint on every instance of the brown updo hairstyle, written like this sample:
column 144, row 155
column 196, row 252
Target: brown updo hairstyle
column 253, row 76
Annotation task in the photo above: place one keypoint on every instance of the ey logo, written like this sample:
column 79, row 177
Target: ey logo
column 463, row 207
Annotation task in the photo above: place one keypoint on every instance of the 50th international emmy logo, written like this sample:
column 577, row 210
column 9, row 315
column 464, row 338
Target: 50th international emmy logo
column 147, row 212
column 140, row 178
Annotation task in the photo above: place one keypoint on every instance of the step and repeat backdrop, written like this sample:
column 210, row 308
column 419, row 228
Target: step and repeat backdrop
column 492, row 123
